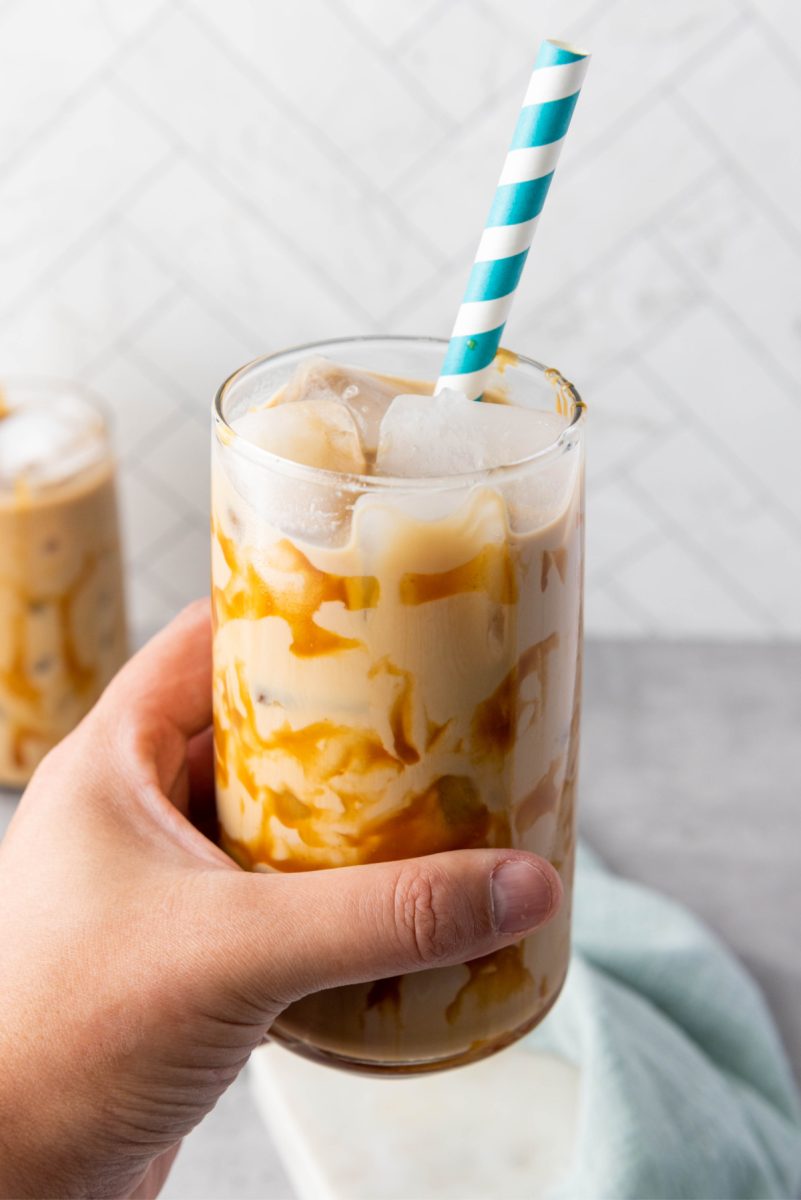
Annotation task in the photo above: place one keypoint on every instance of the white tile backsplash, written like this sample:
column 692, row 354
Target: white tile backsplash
column 745, row 98
column 460, row 63
column 184, row 185
column 183, row 566
column 92, row 303
column 179, row 458
column 55, row 200
column 232, row 255
column 593, row 328
column 211, row 353
column 628, row 417
column 671, row 585
column 732, row 251
column 457, row 179
column 628, row 529
column 641, row 48
column 622, row 187
column 37, row 78
column 392, row 23
column 609, row 614
column 763, row 551
column 737, row 398
column 148, row 514
column 319, row 66
column 142, row 404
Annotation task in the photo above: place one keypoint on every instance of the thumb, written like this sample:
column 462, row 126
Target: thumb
column 299, row 933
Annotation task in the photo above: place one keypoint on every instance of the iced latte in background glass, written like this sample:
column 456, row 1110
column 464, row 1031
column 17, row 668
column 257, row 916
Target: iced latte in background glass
column 397, row 592
column 62, row 612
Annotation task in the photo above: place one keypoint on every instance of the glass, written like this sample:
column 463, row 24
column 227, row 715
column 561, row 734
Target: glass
column 397, row 672
column 62, row 611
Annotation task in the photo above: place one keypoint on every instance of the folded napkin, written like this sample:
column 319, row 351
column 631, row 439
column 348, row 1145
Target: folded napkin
column 685, row 1088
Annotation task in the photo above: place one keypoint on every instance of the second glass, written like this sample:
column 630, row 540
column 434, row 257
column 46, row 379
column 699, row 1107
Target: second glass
column 397, row 672
column 62, row 608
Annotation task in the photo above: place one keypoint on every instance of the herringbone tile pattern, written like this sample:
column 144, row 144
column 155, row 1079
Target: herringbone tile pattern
column 185, row 184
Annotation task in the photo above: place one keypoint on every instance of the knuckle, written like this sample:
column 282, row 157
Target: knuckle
column 424, row 918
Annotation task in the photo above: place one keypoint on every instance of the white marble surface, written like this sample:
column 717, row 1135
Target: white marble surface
column 503, row 1129
column 185, row 184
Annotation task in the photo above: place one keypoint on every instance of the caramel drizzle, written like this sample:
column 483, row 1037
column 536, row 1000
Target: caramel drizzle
column 386, row 994
column 401, row 712
column 494, row 724
column 21, row 736
column 542, row 799
column 447, row 814
column 302, row 589
column 553, row 558
column 16, row 680
column 491, row 571
column 504, row 358
column 493, row 980
column 324, row 749
column 435, row 734
column 74, row 675
column 565, row 397
column 82, row 678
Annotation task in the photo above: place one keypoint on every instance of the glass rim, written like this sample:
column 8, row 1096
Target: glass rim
column 52, row 385
column 33, row 392
column 226, row 433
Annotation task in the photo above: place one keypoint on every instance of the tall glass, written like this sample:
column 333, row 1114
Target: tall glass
column 397, row 672
column 62, row 610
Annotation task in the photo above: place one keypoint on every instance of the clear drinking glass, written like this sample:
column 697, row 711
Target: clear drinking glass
column 62, row 610
column 397, row 672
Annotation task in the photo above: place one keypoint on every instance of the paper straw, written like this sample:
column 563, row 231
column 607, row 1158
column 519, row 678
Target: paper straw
column 526, row 176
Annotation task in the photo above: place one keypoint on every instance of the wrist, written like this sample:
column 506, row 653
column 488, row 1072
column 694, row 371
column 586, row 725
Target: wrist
column 32, row 1158
column 47, row 1132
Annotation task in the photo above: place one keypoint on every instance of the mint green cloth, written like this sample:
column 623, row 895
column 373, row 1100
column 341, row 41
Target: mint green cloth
column 685, row 1087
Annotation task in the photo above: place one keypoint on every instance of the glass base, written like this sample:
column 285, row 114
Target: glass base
column 474, row 1053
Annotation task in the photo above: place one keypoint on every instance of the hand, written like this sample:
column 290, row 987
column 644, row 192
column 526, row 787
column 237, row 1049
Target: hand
column 140, row 967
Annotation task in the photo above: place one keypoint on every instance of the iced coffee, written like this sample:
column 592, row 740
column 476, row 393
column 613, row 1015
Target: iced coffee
column 397, row 582
column 62, row 615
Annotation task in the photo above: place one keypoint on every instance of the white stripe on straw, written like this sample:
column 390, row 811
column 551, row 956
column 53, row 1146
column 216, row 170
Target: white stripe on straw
column 501, row 241
column 555, row 83
column 482, row 315
column 469, row 384
column 531, row 163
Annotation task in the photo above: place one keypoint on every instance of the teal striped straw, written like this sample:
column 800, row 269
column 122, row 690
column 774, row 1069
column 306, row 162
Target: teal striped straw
column 526, row 176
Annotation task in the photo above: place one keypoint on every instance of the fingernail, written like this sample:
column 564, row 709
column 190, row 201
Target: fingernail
column 521, row 896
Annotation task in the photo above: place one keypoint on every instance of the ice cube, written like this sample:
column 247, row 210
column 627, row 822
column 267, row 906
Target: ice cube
column 364, row 395
column 45, row 444
column 448, row 434
column 315, row 433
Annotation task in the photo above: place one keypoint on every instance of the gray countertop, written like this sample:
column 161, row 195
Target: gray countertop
column 691, row 782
